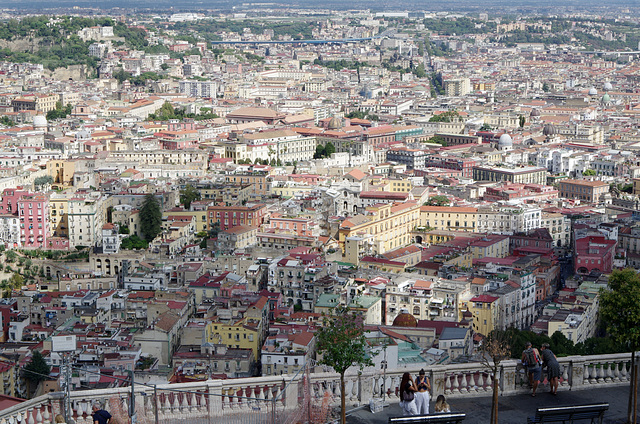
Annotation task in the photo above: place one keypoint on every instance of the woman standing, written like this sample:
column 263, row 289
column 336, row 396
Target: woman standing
column 407, row 395
column 553, row 367
column 422, row 396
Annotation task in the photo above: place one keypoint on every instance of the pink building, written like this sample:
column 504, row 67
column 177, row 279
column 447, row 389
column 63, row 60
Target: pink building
column 299, row 227
column 10, row 197
column 33, row 211
column 594, row 253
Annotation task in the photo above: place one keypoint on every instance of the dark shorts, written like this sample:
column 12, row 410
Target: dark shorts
column 553, row 370
column 536, row 371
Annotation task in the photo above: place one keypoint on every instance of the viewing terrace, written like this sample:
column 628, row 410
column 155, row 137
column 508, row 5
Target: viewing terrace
column 309, row 398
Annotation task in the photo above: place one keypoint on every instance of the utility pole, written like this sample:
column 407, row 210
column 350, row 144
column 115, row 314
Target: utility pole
column 132, row 401
column 67, row 383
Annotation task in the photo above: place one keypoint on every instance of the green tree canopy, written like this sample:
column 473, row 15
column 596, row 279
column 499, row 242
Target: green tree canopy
column 437, row 200
column 36, row 370
column 42, row 181
column 188, row 195
column 448, row 116
column 342, row 344
column 437, row 139
column 485, row 127
column 620, row 313
column 150, row 217
column 134, row 242
column 589, row 173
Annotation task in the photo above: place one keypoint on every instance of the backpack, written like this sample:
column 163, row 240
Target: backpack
column 531, row 358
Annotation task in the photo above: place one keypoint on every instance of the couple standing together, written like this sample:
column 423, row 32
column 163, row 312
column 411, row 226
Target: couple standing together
column 414, row 395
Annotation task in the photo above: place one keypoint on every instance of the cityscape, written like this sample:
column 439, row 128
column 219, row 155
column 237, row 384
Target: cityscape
column 202, row 209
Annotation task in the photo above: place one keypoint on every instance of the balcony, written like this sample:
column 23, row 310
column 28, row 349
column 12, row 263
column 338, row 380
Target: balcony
column 255, row 399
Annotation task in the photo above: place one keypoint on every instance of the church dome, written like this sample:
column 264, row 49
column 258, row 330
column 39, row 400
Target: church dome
column 534, row 113
column 549, row 130
column 335, row 123
column 593, row 91
column 505, row 140
column 606, row 98
column 405, row 319
column 39, row 121
column 607, row 86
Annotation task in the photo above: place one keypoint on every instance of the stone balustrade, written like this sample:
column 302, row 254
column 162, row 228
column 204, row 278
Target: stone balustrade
column 277, row 399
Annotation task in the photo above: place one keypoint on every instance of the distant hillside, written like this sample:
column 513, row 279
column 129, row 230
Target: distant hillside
column 53, row 41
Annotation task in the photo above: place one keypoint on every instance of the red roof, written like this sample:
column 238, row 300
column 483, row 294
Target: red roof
column 484, row 298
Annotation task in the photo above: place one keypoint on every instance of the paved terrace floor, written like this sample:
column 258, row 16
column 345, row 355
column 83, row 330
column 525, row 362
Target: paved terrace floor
column 515, row 409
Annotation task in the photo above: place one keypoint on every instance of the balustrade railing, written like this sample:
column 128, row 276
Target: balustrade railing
column 289, row 399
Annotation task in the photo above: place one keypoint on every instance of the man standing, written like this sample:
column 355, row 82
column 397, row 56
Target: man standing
column 100, row 416
column 531, row 360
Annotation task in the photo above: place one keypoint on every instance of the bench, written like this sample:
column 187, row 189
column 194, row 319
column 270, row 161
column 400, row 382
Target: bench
column 446, row 418
column 569, row 414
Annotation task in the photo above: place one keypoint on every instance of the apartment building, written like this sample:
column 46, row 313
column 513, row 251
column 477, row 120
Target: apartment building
column 523, row 174
column 559, row 227
column 507, row 219
column 33, row 211
column 486, row 313
column 231, row 216
column 38, row 102
column 390, row 224
column 448, row 218
column 433, row 299
column 86, row 217
column 589, row 191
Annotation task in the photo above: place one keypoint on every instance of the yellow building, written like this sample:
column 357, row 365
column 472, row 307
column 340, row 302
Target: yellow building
column 288, row 191
column 398, row 185
column 390, row 224
column 485, row 313
column 7, row 376
column 448, row 218
column 229, row 194
column 200, row 216
column 239, row 335
column 61, row 171
column 490, row 246
column 58, row 216
column 39, row 102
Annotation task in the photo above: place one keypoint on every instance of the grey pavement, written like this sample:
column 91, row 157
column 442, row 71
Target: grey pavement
column 515, row 409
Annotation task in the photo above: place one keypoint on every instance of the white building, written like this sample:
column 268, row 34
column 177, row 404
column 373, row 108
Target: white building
column 86, row 217
column 198, row 88
column 110, row 238
column 507, row 219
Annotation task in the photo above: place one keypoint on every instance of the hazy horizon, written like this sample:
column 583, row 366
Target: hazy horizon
column 495, row 6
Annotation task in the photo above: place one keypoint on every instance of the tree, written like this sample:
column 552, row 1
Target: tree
column 494, row 349
column 329, row 149
column 188, row 195
column 437, row 200
column 522, row 120
column 133, row 242
column 36, row 370
column 545, row 87
column 150, row 217
column 343, row 344
column 438, row 139
column 620, row 312
column 589, row 173
column 485, row 127
column 39, row 182
column 448, row 116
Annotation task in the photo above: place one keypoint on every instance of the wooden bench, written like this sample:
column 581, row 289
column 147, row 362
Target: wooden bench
column 446, row 418
column 569, row 414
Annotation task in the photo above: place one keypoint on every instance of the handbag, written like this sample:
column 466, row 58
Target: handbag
column 408, row 396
